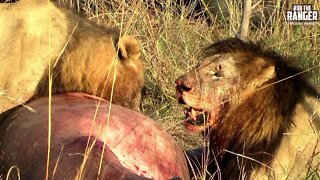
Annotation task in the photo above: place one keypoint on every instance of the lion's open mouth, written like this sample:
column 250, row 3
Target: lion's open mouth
column 196, row 117
column 197, row 120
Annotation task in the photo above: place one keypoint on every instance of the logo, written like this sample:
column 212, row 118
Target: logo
column 302, row 14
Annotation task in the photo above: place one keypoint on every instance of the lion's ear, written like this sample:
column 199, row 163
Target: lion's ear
column 267, row 74
column 128, row 47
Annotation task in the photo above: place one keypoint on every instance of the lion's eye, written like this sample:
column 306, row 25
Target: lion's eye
column 215, row 75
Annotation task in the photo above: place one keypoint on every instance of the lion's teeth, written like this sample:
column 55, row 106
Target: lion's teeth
column 193, row 112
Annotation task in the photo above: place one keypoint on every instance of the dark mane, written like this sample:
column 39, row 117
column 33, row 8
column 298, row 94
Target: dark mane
column 285, row 66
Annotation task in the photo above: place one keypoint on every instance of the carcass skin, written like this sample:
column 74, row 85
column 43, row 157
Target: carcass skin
column 136, row 147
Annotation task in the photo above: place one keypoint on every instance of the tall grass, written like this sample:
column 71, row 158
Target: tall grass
column 172, row 37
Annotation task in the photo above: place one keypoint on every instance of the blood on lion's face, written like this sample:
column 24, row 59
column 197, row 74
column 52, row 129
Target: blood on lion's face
column 240, row 96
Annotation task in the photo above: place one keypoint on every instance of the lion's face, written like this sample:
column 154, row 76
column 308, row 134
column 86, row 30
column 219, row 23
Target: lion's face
column 206, row 91
column 218, row 83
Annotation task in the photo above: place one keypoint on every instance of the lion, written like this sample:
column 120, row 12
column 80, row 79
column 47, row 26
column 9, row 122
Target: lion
column 38, row 36
column 259, row 113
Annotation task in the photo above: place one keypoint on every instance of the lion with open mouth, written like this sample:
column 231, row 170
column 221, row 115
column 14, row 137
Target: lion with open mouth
column 245, row 100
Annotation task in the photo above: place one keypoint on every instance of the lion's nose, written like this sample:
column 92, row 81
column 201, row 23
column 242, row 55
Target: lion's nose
column 182, row 85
